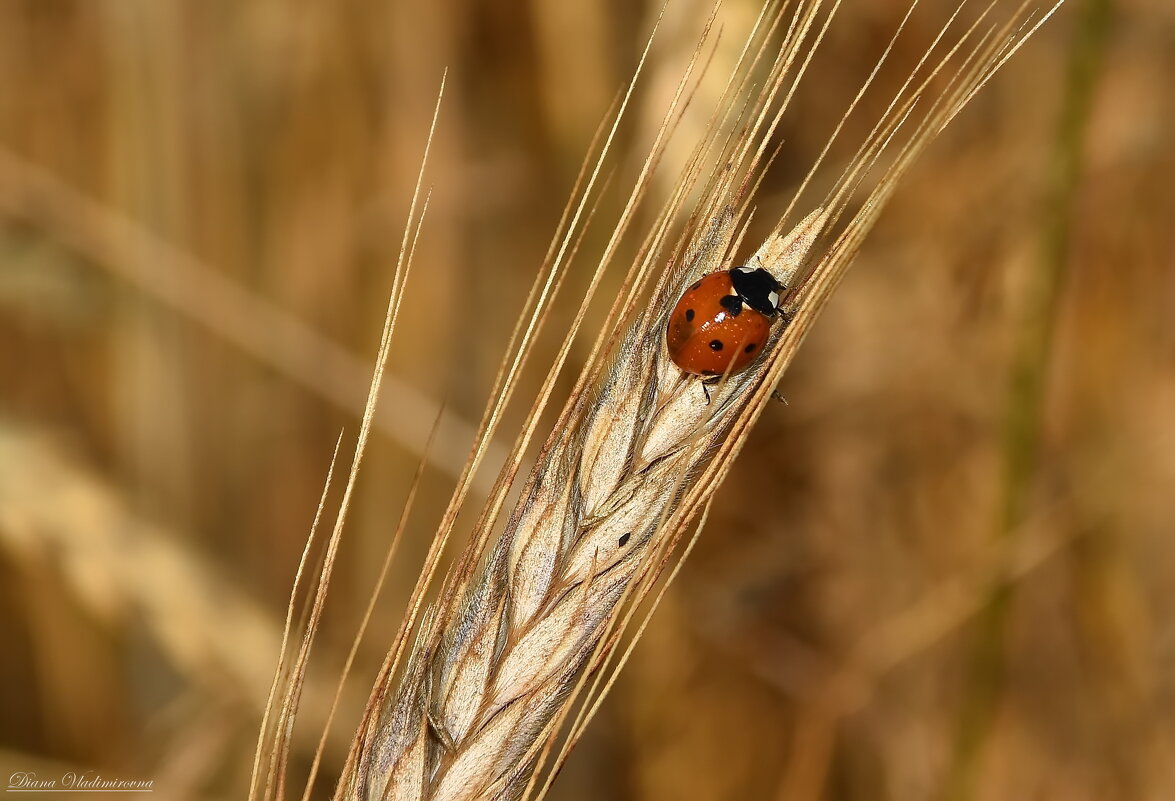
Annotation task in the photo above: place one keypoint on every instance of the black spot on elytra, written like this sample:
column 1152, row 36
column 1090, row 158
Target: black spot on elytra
column 749, row 348
column 624, row 539
column 695, row 285
column 689, row 315
column 715, row 344
column 733, row 305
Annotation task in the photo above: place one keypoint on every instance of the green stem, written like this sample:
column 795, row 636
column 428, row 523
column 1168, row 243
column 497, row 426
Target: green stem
column 1028, row 383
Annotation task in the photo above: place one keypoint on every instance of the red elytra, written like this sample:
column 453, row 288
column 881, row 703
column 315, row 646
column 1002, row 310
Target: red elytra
column 717, row 330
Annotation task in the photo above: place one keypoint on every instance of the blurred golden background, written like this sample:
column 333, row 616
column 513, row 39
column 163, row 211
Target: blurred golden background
column 945, row 570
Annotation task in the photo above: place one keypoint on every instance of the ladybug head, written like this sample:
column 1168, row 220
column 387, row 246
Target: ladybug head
column 757, row 288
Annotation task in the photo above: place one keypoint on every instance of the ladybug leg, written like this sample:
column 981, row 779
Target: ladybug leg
column 707, row 383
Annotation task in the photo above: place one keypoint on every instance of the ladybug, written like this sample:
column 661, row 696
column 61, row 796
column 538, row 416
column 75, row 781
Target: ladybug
column 722, row 321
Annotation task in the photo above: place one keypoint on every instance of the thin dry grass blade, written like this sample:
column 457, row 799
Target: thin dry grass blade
column 200, row 292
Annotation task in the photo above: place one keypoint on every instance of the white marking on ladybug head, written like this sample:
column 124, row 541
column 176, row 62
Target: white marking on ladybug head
column 773, row 299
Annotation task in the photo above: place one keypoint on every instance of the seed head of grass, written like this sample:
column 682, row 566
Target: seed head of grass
column 486, row 672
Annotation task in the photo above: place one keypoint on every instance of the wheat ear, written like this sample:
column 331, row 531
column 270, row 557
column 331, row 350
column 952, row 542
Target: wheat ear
column 474, row 703
column 517, row 631
column 534, row 609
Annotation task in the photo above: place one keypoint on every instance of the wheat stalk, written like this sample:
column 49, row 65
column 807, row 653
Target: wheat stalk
column 536, row 606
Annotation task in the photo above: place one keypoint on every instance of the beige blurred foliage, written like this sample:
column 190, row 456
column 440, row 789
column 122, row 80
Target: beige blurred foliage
column 163, row 443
